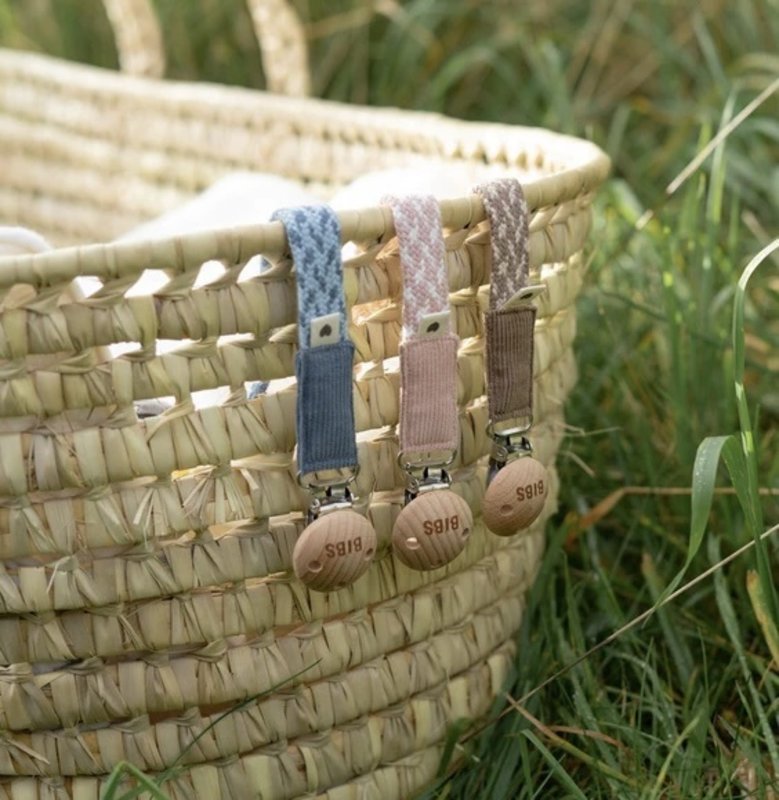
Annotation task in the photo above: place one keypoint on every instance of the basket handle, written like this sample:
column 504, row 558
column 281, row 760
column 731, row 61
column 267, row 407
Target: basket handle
column 277, row 26
column 283, row 46
column 138, row 37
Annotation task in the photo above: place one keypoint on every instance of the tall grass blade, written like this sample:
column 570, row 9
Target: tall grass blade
column 556, row 768
column 453, row 736
column 704, row 478
column 741, row 461
column 723, row 134
column 659, row 789
column 754, row 511
column 674, row 638
column 730, row 620
column 767, row 625
column 120, row 773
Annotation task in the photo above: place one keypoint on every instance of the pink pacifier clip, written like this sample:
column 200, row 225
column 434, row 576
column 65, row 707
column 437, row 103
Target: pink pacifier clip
column 435, row 523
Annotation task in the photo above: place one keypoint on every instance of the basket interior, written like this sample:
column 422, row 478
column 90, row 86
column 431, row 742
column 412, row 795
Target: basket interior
column 89, row 154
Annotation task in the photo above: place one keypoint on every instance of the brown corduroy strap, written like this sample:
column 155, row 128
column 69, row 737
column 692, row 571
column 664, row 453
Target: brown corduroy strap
column 508, row 331
column 509, row 335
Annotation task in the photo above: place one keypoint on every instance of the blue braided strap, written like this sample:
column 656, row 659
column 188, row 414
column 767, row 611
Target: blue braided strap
column 314, row 236
column 325, row 406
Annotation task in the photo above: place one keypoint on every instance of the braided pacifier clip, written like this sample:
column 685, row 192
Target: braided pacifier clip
column 517, row 483
column 435, row 523
column 338, row 544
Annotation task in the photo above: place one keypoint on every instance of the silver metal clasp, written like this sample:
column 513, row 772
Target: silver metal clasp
column 425, row 474
column 329, row 494
column 508, row 445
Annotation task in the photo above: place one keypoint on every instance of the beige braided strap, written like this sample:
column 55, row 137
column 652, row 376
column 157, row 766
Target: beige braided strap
column 138, row 37
column 283, row 46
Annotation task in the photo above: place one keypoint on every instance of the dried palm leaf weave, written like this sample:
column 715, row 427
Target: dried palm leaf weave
column 145, row 564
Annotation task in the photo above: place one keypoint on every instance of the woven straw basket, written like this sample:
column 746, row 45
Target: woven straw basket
column 145, row 585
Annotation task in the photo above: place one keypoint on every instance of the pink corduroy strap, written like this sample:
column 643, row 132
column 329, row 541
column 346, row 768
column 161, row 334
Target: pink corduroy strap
column 428, row 353
column 508, row 331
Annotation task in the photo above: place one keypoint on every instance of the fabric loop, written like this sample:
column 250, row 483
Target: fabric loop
column 325, row 406
column 508, row 331
column 425, row 287
column 314, row 236
column 325, row 411
column 428, row 358
column 504, row 202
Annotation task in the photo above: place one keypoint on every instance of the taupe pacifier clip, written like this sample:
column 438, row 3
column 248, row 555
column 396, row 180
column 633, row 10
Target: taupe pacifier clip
column 435, row 523
column 517, row 483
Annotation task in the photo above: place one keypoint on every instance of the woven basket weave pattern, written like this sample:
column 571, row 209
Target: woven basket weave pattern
column 123, row 152
column 146, row 582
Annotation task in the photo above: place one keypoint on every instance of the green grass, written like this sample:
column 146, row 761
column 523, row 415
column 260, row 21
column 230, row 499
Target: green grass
column 685, row 704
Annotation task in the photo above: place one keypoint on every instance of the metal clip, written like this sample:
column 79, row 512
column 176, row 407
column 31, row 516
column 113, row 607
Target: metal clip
column 332, row 498
column 506, row 449
column 329, row 495
column 421, row 481
column 425, row 476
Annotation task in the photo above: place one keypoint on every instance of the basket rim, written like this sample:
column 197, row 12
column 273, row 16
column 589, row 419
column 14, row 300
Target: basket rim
column 586, row 167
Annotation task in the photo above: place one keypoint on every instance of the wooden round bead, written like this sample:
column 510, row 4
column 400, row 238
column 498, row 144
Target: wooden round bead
column 515, row 496
column 334, row 550
column 432, row 529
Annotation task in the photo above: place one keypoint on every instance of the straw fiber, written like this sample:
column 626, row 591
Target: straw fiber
column 145, row 564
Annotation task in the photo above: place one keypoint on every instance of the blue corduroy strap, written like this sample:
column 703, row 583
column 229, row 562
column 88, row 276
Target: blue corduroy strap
column 325, row 406
column 325, row 412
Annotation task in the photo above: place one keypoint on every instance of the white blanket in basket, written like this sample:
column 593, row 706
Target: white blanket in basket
column 241, row 198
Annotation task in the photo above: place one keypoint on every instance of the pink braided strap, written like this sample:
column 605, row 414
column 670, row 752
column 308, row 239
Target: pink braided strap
column 425, row 285
column 428, row 357
column 508, row 331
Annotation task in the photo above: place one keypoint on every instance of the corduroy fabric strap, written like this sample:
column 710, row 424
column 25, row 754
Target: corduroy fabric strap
column 325, row 406
column 509, row 342
column 508, row 331
column 428, row 352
